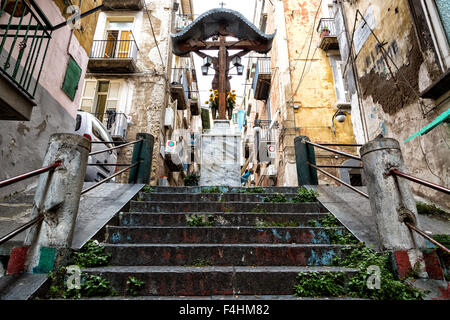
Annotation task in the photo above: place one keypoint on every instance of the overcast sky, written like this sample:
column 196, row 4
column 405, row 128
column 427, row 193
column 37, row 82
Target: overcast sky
column 246, row 8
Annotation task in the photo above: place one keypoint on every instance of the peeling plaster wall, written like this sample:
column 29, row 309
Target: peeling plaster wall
column 393, row 109
column 316, row 94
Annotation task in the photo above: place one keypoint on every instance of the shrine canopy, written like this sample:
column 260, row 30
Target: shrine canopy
column 220, row 21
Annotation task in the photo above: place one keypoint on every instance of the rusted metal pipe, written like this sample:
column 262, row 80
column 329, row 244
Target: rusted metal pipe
column 335, row 151
column 30, row 174
column 109, row 149
column 110, row 164
column 423, row 234
column 15, row 232
column 343, row 167
column 419, row 181
column 339, row 180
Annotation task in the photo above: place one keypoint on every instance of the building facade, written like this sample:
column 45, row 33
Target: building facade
column 134, row 84
column 296, row 90
column 43, row 62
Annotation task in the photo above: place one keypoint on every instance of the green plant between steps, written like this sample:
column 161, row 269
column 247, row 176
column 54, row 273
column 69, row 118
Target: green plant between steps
column 275, row 198
column 258, row 209
column 431, row 209
column 201, row 263
column 211, row 190
column 336, row 236
column 134, row 286
column 92, row 254
column 200, row 221
column 251, row 190
column 305, row 195
column 191, row 180
column 278, row 224
column 147, row 189
column 90, row 286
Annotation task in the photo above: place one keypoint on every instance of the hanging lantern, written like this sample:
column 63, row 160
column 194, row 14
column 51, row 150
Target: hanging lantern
column 20, row 7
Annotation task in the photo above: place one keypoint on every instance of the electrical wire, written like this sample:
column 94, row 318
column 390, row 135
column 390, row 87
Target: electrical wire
column 309, row 48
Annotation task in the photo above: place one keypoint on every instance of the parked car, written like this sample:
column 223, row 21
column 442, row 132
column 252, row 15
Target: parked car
column 91, row 128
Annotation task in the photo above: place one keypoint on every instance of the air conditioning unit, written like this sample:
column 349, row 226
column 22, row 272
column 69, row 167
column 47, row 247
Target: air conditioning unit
column 271, row 171
column 169, row 118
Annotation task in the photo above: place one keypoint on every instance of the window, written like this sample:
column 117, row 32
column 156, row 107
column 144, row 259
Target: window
column 337, row 66
column 71, row 79
column 100, row 96
column 438, row 20
column 118, row 39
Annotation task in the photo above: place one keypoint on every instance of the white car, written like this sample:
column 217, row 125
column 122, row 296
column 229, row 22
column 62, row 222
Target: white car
column 91, row 128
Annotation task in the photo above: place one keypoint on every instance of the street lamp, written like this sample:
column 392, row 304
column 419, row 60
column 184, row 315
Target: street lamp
column 340, row 117
column 240, row 69
column 207, row 61
column 236, row 61
column 205, row 70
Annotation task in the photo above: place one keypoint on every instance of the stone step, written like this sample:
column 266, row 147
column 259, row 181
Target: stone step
column 144, row 206
column 254, row 297
column 208, row 281
column 223, row 189
column 219, row 234
column 223, row 254
column 220, row 218
column 209, row 197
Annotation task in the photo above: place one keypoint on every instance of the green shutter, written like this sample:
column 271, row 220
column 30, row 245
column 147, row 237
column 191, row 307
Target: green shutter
column 71, row 79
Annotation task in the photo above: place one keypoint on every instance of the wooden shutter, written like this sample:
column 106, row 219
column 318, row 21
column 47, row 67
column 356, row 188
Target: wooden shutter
column 87, row 100
column 113, row 95
column 71, row 79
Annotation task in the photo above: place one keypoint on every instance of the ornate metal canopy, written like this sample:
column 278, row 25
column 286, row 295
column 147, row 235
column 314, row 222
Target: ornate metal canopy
column 210, row 23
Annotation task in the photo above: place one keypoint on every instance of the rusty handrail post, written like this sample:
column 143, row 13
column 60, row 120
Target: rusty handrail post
column 352, row 156
column 423, row 234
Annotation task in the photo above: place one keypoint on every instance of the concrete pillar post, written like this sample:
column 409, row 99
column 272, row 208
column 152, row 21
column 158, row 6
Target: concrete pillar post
column 392, row 202
column 304, row 153
column 57, row 197
column 143, row 152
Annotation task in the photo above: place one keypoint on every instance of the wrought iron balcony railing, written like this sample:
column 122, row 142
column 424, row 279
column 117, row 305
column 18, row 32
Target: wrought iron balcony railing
column 114, row 49
column 24, row 39
column 328, row 34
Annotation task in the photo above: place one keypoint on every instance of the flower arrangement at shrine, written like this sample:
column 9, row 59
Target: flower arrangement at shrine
column 231, row 99
column 213, row 98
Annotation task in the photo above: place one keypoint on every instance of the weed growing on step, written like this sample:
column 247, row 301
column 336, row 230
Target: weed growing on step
column 134, row 286
column 226, row 209
column 431, row 209
column 251, row 190
column 90, row 286
column 278, row 224
column 201, row 263
column 211, row 190
column 315, row 284
column 191, row 180
column 336, row 236
column 275, row 198
column 147, row 189
column 390, row 288
column 258, row 209
column 305, row 195
column 200, row 221
column 92, row 255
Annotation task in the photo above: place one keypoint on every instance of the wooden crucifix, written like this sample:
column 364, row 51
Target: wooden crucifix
column 218, row 24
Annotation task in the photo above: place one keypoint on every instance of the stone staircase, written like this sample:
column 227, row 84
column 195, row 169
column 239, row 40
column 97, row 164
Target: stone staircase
column 239, row 254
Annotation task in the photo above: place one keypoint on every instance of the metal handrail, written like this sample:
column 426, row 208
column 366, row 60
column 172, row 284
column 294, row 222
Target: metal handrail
column 109, row 178
column 117, row 147
column 27, row 225
column 339, row 180
column 30, row 174
column 419, row 181
column 423, row 234
column 335, row 151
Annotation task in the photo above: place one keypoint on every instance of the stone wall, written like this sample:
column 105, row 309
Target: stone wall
column 390, row 97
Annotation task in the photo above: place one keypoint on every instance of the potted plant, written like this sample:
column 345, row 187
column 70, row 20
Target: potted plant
column 191, row 180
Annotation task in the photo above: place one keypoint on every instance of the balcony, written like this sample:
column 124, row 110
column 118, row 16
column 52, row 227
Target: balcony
column 122, row 5
column 194, row 103
column 328, row 34
column 179, row 88
column 24, row 40
column 113, row 56
column 262, row 79
column 115, row 123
